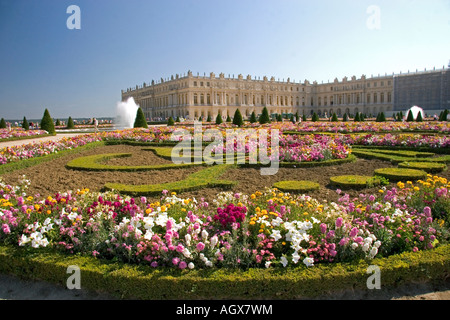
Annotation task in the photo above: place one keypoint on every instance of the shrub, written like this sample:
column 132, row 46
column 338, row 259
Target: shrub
column 47, row 123
column 401, row 174
column 70, row 124
column 253, row 117
column 170, row 122
column 357, row 117
column 410, row 117
column 297, row 117
column 353, row 181
column 419, row 117
column 2, row 124
column 315, row 117
column 264, row 118
column 25, row 124
column 178, row 119
column 228, row 119
column 304, row 117
column 219, row 118
column 430, row 167
column 237, row 119
column 345, row 118
column 334, row 118
column 296, row 186
column 381, row 117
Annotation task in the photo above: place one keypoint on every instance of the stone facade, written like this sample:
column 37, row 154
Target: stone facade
column 191, row 97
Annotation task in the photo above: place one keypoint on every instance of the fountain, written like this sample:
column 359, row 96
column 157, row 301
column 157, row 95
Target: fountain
column 126, row 114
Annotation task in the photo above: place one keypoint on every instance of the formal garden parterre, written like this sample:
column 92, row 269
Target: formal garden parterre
column 338, row 200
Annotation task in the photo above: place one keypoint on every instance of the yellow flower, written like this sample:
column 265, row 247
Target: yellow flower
column 305, row 213
column 416, row 188
column 381, row 191
column 148, row 211
column 163, row 208
column 252, row 196
column 49, row 211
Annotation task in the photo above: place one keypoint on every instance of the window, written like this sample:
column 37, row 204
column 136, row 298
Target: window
column 195, row 83
column 195, row 98
column 201, row 84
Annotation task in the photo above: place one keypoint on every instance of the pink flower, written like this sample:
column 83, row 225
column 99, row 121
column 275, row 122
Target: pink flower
column 182, row 265
column 323, row 228
column 339, row 222
column 354, row 232
column 175, row 261
column 427, row 211
column 200, row 246
column 6, row 229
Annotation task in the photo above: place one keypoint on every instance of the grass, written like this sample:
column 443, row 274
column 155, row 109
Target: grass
column 401, row 174
column 296, row 186
column 353, row 181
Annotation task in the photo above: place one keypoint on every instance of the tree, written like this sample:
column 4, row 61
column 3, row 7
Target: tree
column 443, row 115
column 237, row 119
column 170, row 122
column 253, row 117
column 297, row 117
column 381, row 117
column 70, row 124
column 279, row 118
column 264, row 118
column 208, row 119
column 140, row 121
column 47, row 123
column 304, row 117
column 292, row 119
column 419, row 117
column 2, row 124
column 177, row 119
column 219, row 118
column 315, row 117
column 25, row 124
column 334, row 117
column 410, row 117
column 228, row 119
column 200, row 119
column 345, row 118
column 357, row 117
column 58, row 123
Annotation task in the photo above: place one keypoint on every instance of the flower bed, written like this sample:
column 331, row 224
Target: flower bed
column 18, row 133
column 264, row 229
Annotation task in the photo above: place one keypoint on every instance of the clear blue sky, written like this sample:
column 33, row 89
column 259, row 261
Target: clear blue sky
column 80, row 73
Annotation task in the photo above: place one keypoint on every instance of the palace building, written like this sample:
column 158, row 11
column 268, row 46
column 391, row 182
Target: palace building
column 191, row 97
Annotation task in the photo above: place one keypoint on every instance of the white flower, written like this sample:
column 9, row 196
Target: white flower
column 190, row 265
column 276, row 235
column 208, row 263
column 354, row 245
column 365, row 247
column 23, row 240
column 267, row 264
column 276, row 222
column 284, row 261
column 295, row 257
column 309, row 262
column 186, row 253
column 373, row 252
column 377, row 244
column 148, row 235
column 213, row 241
column 204, row 234
column 73, row 215
column 188, row 238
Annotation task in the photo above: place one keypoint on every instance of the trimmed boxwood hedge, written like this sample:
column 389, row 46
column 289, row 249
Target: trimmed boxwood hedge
column 429, row 167
column 127, row 281
column 353, row 181
column 397, row 159
column 206, row 178
column 400, row 174
column 296, row 186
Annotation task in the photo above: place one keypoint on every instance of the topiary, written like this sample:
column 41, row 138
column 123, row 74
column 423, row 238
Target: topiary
column 47, row 123
column 400, row 174
column 178, row 119
column 70, row 124
column 296, row 186
column 345, row 118
column 304, row 117
column 353, row 181
column 419, row 117
column 410, row 116
column 219, row 118
column 237, row 119
column 170, row 122
column 279, row 118
column 357, row 117
column 315, row 117
column 297, row 117
column 264, row 118
column 228, row 119
column 140, row 121
column 334, row 117
column 430, row 167
column 25, row 124
column 253, row 117
column 2, row 124
column 208, row 119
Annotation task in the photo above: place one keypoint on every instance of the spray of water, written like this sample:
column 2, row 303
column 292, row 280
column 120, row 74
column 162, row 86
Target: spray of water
column 126, row 114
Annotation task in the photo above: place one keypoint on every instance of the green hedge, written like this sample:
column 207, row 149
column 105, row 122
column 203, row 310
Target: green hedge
column 401, row 174
column 96, row 163
column 296, row 186
column 353, row 181
column 206, row 178
column 143, row 282
column 397, row 159
column 429, row 167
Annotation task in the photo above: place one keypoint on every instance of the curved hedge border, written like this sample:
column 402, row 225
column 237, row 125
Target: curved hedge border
column 297, row 186
column 396, row 159
column 206, row 178
column 400, row 174
column 143, row 282
column 96, row 163
column 429, row 167
column 353, row 181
